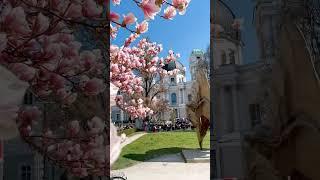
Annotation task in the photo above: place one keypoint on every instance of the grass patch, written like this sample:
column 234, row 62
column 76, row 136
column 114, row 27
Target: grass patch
column 129, row 132
column 157, row 144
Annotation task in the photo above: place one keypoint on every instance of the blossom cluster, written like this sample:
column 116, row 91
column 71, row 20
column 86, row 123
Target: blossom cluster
column 145, row 61
column 40, row 48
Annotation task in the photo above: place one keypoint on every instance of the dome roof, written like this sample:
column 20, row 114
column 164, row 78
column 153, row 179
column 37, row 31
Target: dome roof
column 222, row 15
column 174, row 65
column 223, row 19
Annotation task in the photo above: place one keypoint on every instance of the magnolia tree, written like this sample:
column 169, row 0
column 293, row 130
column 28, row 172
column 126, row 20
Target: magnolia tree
column 143, row 83
column 38, row 45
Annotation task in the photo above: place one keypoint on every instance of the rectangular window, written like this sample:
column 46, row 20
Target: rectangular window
column 118, row 117
column 28, row 98
column 25, row 172
column 189, row 97
column 255, row 114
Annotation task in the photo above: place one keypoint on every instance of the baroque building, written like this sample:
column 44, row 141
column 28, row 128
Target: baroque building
column 265, row 113
column 238, row 88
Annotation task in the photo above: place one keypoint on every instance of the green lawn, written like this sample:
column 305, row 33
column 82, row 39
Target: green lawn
column 156, row 144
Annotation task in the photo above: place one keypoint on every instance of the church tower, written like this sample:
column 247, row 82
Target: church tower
column 226, row 36
column 196, row 56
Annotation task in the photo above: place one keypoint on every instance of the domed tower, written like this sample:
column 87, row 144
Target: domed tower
column 196, row 56
column 227, row 44
column 179, row 77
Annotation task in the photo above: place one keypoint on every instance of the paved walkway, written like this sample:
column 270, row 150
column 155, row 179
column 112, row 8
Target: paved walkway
column 129, row 140
column 167, row 167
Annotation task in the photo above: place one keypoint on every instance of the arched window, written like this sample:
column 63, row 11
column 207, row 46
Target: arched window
column 223, row 58
column 173, row 98
column 28, row 98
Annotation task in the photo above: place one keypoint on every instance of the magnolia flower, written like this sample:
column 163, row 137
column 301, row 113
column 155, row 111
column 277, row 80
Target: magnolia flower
column 93, row 87
column 129, row 19
column 169, row 12
column 74, row 11
column 114, row 16
column 23, row 71
column 150, row 8
column 142, row 27
column 116, row 2
column 91, row 9
column 181, row 5
column 12, row 91
column 113, row 31
column 96, row 125
column 16, row 21
column 74, row 127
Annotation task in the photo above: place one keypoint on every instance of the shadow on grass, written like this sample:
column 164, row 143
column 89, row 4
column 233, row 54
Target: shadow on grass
column 156, row 153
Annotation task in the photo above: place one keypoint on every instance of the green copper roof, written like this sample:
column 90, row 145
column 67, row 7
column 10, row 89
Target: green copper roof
column 197, row 52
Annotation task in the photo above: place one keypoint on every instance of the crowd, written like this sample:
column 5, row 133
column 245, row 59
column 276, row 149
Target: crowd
column 122, row 127
column 180, row 124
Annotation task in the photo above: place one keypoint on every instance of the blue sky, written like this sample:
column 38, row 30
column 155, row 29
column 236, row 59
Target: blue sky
column 182, row 34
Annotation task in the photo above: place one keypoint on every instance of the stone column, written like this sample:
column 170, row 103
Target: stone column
column 121, row 116
column 236, row 121
column 223, row 111
column 38, row 166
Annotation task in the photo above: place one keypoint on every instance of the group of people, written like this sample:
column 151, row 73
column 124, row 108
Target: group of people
column 180, row 124
column 122, row 127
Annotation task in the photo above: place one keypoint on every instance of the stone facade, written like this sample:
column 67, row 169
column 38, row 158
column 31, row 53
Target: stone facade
column 238, row 89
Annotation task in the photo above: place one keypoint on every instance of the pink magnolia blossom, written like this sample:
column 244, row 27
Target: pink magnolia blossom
column 96, row 125
column 93, row 86
column 114, row 16
column 74, row 11
column 16, row 21
column 42, row 23
column 169, row 12
column 181, row 5
column 129, row 19
column 130, row 39
column 88, row 59
column 142, row 27
column 23, row 71
column 74, row 127
column 116, row 2
column 57, row 82
column 150, row 8
column 91, row 9
column 27, row 116
column 113, row 31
